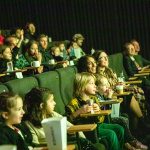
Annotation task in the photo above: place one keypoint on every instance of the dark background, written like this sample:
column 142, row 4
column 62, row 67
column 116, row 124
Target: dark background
column 105, row 24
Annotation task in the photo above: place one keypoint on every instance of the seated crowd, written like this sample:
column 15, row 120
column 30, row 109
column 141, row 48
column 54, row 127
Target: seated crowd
column 95, row 83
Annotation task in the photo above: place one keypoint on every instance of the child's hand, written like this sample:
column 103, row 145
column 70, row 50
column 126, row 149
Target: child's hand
column 65, row 64
column 96, row 107
column 110, row 93
column 86, row 109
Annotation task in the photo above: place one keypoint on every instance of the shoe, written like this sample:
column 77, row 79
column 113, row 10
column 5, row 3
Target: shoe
column 139, row 145
column 128, row 146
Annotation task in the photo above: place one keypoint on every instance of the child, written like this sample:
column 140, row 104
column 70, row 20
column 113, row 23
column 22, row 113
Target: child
column 40, row 104
column 11, row 113
column 33, row 54
column 104, row 92
column 5, row 56
column 63, row 52
column 84, row 90
column 6, row 63
column 56, row 54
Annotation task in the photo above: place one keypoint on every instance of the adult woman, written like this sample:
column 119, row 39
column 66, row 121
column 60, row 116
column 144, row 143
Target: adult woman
column 87, row 63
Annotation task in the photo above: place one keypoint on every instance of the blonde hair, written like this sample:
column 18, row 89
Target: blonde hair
column 99, row 79
column 81, row 81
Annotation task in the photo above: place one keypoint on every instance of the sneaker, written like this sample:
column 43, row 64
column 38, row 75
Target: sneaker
column 128, row 146
column 139, row 145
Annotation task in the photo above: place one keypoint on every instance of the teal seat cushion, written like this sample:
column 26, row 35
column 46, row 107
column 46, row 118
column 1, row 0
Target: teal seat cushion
column 3, row 88
column 66, row 77
column 22, row 86
column 116, row 64
column 51, row 80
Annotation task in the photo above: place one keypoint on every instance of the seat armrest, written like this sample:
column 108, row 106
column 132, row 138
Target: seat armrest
column 2, row 74
column 134, row 82
column 123, row 94
column 99, row 113
column 132, row 78
column 83, row 128
column 141, row 74
column 113, row 101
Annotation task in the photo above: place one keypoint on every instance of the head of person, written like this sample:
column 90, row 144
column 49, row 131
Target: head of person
column 86, row 63
column 12, row 41
column 32, row 48
column 102, row 84
column 101, row 58
column 17, row 32
column 39, row 104
column 129, row 49
column 78, row 38
column 61, row 46
column 84, row 84
column 5, row 52
column 43, row 41
column 30, row 27
column 136, row 45
column 11, row 108
column 55, row 50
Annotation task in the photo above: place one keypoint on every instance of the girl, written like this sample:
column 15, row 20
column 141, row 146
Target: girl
column 104, row 92
column 6, row 63
column 5, row 57
column 11, row 113
column 40, row 104
column 33, row 54
column 85, row 89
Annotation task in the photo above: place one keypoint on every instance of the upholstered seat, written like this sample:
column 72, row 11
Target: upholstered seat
column 51, row 80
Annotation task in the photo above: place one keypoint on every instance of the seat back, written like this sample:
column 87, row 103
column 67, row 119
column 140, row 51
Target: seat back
column 116, row 64
column 51, row 80
column 22, row 86
column 66, row 77
column 3, row 88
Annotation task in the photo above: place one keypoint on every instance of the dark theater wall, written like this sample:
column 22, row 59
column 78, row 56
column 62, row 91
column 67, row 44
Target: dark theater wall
column 106, row 24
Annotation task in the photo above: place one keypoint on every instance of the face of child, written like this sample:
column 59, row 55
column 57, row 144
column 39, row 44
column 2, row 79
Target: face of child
column 91, row 65
column 16, row 113
column 103, row 60
column 91, row 87
column 56, row 52
column 62, row 46
column 104, row 86
column 34, row 49
column 50, row 105
column 44, row 42
column 7, row 54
